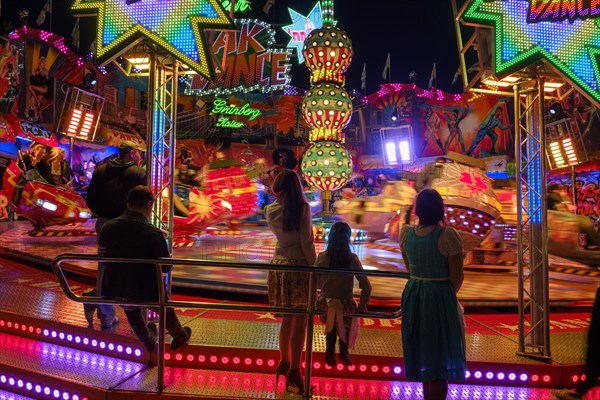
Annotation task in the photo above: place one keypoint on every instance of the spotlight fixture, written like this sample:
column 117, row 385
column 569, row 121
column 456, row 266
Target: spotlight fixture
column 564, row 146
column 556, row 112
column 397, row 145
column 89, row 81
column 81, row 112
column 395, row 115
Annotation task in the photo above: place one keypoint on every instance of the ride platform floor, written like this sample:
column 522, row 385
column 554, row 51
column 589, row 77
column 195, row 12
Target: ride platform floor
column 571, row 284
column 33, row 298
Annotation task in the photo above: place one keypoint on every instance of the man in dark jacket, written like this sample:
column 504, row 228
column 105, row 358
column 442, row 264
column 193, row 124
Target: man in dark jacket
column 107, row 193
column 133, row 236
column 107, row 198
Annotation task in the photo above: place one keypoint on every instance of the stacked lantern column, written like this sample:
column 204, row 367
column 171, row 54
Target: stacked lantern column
column 327, row 108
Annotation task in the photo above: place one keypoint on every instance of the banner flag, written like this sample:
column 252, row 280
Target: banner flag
column 386, row 68
column 268, row 5
column 46, row 10
column 433, row 77
column 75, row 34
column 363, row 78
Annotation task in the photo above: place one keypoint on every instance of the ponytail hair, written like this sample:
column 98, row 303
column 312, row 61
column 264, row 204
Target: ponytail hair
column 338, row 245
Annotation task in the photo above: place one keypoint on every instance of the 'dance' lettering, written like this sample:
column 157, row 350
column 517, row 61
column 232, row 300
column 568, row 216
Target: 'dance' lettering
column 559, row 10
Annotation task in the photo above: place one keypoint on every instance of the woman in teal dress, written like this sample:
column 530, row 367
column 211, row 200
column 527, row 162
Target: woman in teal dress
column 433, row 338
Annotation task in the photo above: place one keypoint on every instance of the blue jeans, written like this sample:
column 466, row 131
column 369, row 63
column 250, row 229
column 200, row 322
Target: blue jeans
column 106, row 312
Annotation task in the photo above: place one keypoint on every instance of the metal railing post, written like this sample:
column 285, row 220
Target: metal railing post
column 312, row 290
column 160, row 354
column 165, row 302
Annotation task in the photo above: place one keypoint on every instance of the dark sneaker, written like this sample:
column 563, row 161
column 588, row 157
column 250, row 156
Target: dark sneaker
column 109, row 325
column 345, row 359
column 176, row 343
column 153, row 329
column 88, row 310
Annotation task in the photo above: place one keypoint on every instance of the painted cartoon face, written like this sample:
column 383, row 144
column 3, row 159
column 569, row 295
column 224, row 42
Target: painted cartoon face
column 38, row 151
column 589, row 192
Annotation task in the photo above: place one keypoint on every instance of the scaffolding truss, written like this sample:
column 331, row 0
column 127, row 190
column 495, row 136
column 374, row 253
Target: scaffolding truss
column 532, row 224
column 530, row 152
column 162, row 84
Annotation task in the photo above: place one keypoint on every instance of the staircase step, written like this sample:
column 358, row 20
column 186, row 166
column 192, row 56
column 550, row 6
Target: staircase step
column 35, row 368
column 4, row 395
column 34, row 307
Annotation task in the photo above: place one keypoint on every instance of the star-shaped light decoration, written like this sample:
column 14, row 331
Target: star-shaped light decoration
column 571, row 43
column 266, row 316
column 301, row 26
column 174, row 25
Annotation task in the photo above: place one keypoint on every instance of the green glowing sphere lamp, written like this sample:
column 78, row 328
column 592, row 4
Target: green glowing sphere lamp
column 326, row 166
column 327, row 109
column 327, row 53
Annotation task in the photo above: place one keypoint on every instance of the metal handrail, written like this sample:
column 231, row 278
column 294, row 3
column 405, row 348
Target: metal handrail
column 163, row 303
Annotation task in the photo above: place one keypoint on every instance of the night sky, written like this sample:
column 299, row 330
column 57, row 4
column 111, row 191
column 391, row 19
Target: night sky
column 417, row 33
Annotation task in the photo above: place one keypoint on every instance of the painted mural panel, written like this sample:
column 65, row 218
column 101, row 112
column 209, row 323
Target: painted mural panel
column 471, row 124
column 479, row 128
column 30, row 66
column 11, row 64
column 587, row 186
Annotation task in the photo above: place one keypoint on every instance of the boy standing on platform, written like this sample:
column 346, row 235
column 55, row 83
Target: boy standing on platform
column 133, row 236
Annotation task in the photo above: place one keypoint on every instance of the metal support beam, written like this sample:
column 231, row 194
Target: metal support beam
column 162, row 111
column 532, row 226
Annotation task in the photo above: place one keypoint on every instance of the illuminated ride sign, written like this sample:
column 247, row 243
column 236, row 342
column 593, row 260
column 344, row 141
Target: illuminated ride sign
column 176, row 26
column 245, row 62
column 223, row 110
column 239, row 6
column 547, row 10
column 565, row 33
column 301, row 26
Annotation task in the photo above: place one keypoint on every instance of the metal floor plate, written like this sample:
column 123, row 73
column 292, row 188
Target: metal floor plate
column 39, row 296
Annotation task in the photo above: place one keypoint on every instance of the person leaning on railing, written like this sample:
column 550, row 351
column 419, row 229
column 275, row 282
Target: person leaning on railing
column 336, row 299
column 290, row 220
